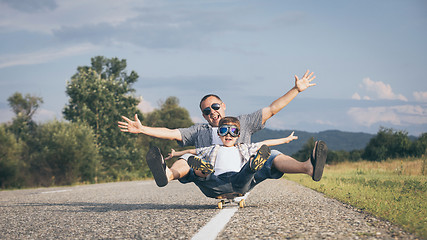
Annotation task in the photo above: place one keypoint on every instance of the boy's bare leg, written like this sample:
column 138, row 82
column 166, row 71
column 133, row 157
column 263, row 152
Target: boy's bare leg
column 287, row 164
column 178, row 170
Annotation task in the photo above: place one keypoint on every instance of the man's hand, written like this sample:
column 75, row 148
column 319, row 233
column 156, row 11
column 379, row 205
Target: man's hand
column 305, row 82
column 131, row 126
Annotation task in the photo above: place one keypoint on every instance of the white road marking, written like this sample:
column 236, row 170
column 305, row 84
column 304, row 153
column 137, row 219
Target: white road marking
column 57, row 191
column 215, row 225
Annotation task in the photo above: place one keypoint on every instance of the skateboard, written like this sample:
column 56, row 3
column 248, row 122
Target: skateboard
column 232, row 198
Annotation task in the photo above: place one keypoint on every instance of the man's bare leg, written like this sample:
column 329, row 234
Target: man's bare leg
column 287, row 164
column 178, row 170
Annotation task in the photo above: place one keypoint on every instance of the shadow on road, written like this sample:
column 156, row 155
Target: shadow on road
column 111, row 207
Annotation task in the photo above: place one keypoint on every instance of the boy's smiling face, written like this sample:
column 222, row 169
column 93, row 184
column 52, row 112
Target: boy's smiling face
column 229, row 131
column 228, row 140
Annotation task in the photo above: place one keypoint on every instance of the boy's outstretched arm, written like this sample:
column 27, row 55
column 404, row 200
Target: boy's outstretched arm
column 274, row 142
column 158, row 132
column 174, row 153
column 300, row 85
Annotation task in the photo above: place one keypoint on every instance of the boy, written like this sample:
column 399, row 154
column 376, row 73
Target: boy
column 229, row 175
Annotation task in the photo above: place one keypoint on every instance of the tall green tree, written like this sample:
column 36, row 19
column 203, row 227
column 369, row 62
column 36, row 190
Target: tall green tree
column 98, row 95
column 16, row 161
column 169, row 115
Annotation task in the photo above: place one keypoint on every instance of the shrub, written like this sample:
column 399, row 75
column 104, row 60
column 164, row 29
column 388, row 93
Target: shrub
column 65, row 153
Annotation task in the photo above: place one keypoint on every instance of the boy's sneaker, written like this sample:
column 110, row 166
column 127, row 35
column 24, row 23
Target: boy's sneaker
column 157, row 166
column 318, row 159
column 197, row 163
column 258, row 160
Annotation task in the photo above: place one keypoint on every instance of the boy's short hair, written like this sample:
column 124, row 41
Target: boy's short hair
column 229, row 121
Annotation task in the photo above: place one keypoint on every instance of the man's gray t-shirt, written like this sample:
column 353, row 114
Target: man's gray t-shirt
column 199, row 135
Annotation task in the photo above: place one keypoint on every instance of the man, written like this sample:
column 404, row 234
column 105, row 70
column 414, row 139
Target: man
column 204, row 135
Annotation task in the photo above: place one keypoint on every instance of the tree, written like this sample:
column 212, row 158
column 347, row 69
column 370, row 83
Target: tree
column 24, row 108
column 419, row 147
column 170, row 115
column 98, row 95
column 15, row 163
column 305, row 152
column 387, row 144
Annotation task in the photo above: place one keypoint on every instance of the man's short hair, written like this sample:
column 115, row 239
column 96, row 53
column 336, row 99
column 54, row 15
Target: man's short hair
column 229, row 121
column 206, row 97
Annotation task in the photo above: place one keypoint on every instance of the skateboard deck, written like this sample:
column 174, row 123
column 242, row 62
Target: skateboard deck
column 229, row 198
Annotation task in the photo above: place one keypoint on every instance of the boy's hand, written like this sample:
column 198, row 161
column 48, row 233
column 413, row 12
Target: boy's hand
column 130, row 126
column 305, row 82
column 170, row 154
column 292, row 137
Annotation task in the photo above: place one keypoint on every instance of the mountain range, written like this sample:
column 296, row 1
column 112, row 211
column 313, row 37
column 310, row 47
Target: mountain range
column 335, row 139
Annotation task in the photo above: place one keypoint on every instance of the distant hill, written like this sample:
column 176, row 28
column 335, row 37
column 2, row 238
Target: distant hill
column 336, row 140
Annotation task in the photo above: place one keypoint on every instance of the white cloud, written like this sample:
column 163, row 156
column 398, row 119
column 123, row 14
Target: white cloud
column 402, row 115
column 378, row 90
column 44, row 115
column 420, row 96
column 275, row 123
column 44, row 56
column 356, row 96
column 37, row 17
column 145, row 106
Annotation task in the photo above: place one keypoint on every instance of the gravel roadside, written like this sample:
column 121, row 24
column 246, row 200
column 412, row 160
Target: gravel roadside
column 281, row 209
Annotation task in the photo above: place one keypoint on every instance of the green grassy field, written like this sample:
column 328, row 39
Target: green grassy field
column 394, row 190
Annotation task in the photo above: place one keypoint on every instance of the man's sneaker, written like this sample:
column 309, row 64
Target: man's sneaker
column 318, row 159
column 197, row 163
column 157, row 165
column 258, row 160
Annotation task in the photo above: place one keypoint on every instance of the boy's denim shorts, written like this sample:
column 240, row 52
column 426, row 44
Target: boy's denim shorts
column 213, row 186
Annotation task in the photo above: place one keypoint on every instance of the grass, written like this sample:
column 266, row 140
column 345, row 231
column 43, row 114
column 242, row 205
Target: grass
column 394, row 190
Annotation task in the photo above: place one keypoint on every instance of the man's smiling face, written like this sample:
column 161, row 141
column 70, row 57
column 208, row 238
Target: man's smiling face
column 215, row 115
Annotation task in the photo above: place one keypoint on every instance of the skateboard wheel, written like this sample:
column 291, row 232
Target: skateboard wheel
column 242, row 203
column 220, row 205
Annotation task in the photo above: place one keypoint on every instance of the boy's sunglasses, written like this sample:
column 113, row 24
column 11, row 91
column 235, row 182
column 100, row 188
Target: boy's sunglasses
column 226, row 129
column 215, row 106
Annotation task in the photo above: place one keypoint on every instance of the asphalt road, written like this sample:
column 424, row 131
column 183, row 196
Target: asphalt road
column 276, row 209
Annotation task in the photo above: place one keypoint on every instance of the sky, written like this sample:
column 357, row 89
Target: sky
column 369, row 57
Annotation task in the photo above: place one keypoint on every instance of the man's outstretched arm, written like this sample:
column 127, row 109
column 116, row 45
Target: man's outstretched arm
column 300, row 85
column 158, row 132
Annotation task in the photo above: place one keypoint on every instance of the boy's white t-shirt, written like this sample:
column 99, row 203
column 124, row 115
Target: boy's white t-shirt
column 228, row 159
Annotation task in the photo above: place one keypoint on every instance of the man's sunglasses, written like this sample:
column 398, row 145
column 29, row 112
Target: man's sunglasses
column 215, row 106
column 226, row 129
